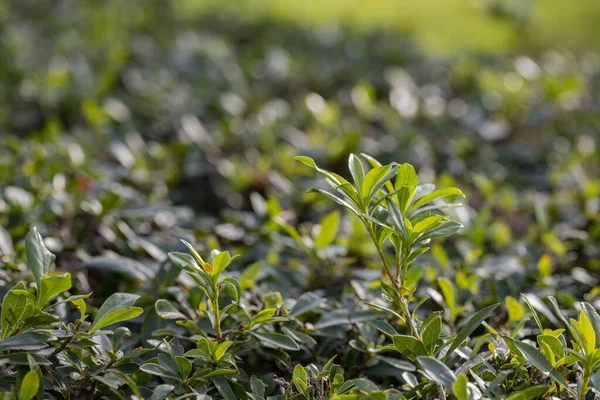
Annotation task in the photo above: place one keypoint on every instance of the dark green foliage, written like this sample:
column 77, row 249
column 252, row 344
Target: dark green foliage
column 152, row 151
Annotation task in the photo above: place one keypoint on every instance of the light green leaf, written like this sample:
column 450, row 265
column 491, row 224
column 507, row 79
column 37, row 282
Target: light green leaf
column 122, row 314
column 459, row 387
column 374, row 180
column 594, row 319
column 250, row 275
column 117, row 308
column 587, row 332
column 220, row 262
column 16, row 308
column 329, row 227
column 448, row 291
column 52, row 287
column 427, row 223
column 300, row 373
column 302, row 388
column 438, row 371
column 515, row 309
column 306, row 160
column 530, row 393
column 38, row 256
column 29, row 386
column 553, row 343
column 221, row 350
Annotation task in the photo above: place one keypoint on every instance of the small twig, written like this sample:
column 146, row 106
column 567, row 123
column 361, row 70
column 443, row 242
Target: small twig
column 440, row 391
column 67, row 342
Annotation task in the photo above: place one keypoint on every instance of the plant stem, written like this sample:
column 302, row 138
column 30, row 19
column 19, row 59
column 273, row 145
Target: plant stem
column 215, row 304
column 440, row 391
column 68, row 341
column 584, row 384
column 411, row 324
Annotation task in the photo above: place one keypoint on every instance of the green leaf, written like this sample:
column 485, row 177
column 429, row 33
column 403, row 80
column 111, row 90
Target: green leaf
column 258, row 387
column 406, row 181
column 470, row 326
column 374, row 180
column 383, row 327
column 39, row 319
column 444, row 229
column 302, row 388
column 224, row 388
column 26, row 341
column 357, row 171
column 38, row 256
column 52, row 287
column 220, row 262
column 185, row 366
column 587, row 332
column 16, row 308
column 451, row 191
column 117, row 308
column 427, row 224
column 553, row 343
column 409, row 346
column 183, row 260
column 329, row 227
column 337, row 199
column 235, row 285
column 221, row 350
column 459, row 387
column 540, row 362
column 398, row 220
column 161, row 392
column 534, row 313
column 166, row 310
column 300, row 373
column 594, row 319
column 306, row 160
column 430, row 333
column 157, row 370
column 277, row 340
column 530, row 393
column 29, row 386
column 438, row 371
column 448, row 291
column 199, row 259
column 515, row 309
column 250, row 275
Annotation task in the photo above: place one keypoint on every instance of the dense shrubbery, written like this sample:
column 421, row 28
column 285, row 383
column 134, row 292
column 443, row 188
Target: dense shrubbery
column 131, row 127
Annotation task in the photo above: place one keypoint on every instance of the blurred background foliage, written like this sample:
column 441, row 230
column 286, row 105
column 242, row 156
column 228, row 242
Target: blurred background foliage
column 126, row 125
